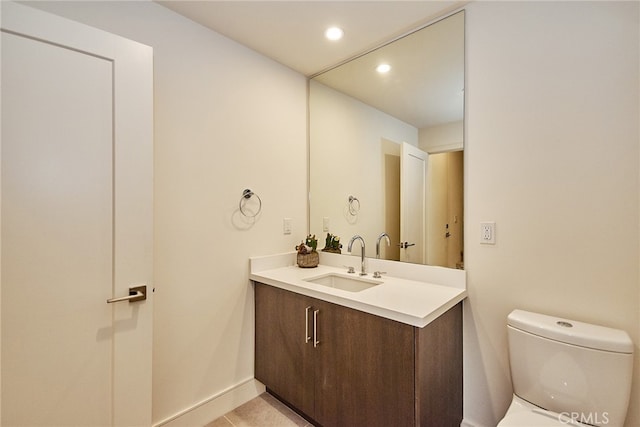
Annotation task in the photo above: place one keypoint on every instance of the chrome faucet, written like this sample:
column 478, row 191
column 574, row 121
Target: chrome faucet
column 363, row 271
column 383, row 235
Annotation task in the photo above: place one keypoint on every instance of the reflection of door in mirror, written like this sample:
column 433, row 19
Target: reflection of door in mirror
column 413, row 197
column 445, row 209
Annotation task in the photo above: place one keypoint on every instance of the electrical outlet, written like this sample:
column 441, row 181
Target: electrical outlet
column 325, row 223
column 488, row 233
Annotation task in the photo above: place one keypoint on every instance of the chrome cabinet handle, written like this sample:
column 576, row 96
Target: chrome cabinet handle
column 136, row 293
column 307, row 337
column 316, row 341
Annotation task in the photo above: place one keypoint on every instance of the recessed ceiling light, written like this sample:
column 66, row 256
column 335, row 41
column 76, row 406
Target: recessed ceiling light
column 383, row 68
column 334, row 33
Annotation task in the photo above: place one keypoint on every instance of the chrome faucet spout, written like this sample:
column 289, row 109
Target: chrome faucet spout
column 380, row 237
column 363, row 271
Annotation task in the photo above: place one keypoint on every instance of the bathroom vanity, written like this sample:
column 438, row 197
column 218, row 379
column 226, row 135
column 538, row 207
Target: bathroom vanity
column 388, row 353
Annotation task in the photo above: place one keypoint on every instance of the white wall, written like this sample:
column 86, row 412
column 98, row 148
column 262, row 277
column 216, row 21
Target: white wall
column 226, row 119
column 552, row 156
column 441, row 138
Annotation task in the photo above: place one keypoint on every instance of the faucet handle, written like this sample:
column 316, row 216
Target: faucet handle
column 378, row 274
column 351, row 269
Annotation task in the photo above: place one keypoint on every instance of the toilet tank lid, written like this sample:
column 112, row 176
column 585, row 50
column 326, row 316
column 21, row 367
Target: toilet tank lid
column 571, row 331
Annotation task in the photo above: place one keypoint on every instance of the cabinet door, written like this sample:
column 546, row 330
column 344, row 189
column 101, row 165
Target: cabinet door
column 283, row 359
column 439, row 370
column 364, row 369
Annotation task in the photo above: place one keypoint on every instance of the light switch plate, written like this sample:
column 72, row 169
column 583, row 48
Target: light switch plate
column 286, row 225
column 325, row 223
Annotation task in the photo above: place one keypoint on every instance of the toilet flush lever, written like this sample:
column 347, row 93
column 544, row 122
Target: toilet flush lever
column 136, row 293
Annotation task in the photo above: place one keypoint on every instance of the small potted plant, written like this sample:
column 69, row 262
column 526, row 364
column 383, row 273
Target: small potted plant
column 332, row 244
column 307, row 255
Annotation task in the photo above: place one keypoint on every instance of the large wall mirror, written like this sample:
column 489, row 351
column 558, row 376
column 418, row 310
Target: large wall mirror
column 386, row 148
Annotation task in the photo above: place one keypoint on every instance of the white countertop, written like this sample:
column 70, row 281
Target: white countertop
column 409, row 301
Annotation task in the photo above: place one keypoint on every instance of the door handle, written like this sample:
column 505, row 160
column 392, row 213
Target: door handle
column 405, row 245
column 136, row 293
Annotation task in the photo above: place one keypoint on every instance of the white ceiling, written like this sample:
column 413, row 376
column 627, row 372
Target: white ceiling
column 292, row 32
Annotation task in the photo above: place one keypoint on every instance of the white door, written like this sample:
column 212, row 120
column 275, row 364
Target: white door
column 413, row 187
column 76, row 215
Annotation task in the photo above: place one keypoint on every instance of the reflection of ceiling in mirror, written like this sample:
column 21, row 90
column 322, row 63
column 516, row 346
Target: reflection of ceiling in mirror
column 431, row 81
column 291, row 32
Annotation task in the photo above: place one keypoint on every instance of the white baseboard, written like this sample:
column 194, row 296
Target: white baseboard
column 467, row 423
column 215, row 406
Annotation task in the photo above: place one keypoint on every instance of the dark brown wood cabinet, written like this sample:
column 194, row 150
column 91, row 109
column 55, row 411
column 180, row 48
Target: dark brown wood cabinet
column 342, row 367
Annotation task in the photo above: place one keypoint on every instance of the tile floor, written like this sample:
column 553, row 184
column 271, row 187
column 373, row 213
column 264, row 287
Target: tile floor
column 263, row 411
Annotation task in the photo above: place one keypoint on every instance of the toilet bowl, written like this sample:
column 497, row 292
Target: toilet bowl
column 566, row 372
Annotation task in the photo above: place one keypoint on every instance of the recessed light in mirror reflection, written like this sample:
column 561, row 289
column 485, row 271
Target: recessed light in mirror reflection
column 383, row 68
column 334, row 33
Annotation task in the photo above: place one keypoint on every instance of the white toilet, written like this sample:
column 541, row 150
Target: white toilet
column 566, row 372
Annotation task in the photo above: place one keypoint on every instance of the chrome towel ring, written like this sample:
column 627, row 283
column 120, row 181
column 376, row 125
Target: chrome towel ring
column 354, row 205
column 246, row 195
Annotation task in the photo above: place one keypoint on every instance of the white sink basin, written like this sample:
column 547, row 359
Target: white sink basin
column 344, row 282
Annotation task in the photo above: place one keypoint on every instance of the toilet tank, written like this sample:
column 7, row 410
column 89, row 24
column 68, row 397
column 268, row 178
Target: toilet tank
column 579, row 370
